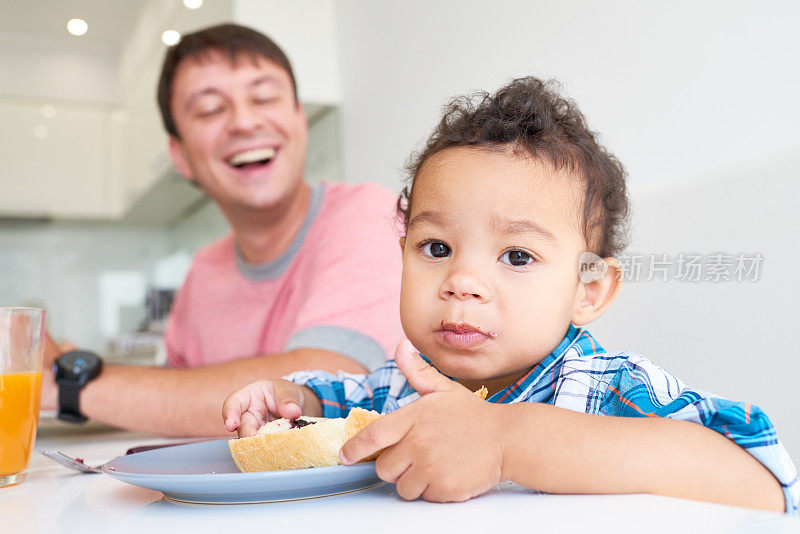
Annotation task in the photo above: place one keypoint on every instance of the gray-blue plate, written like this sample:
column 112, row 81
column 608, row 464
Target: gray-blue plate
column 205, row 473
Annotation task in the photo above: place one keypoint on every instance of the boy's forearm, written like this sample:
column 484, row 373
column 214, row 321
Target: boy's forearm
column 188, row 402
column 560, row 451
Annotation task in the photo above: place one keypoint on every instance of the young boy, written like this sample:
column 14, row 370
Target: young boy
column 509, row 192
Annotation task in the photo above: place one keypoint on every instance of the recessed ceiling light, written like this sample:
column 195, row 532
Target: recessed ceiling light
column 48, row 111
column 170, row 37
column 193, row 4
column 40, row 131
column 77, row 26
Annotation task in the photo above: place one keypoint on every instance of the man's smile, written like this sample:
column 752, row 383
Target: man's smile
column 254, row 156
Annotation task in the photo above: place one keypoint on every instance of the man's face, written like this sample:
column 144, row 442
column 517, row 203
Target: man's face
column 490, row 263
column 242, row 134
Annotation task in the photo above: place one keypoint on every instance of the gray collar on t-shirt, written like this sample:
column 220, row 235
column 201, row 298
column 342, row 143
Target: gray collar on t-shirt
column 259, row 272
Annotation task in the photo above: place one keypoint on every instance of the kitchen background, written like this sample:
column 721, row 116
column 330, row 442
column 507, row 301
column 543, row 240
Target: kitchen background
column 697, row 99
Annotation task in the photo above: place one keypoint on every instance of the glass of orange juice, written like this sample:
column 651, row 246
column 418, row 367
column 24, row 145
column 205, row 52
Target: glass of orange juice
column 21, row 353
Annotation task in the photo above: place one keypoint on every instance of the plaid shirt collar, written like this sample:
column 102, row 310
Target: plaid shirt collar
column 548, row 367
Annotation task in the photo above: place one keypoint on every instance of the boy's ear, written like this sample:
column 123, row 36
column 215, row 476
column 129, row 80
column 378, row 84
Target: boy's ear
column 402, row 244
column 179, row 158
column 594, row 297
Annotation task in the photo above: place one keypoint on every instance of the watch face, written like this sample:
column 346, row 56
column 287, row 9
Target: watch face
column 78, row 363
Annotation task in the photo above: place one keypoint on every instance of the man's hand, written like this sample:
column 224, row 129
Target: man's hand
column 446, row 446
column 252, row 406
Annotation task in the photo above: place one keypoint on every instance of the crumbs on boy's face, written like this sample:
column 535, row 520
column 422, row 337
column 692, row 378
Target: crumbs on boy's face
column 464, row 327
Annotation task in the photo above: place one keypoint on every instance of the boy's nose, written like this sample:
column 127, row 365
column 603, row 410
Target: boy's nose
column 464, row 286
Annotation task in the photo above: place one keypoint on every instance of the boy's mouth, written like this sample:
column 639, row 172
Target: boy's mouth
column 465, row 328
column 463, row 335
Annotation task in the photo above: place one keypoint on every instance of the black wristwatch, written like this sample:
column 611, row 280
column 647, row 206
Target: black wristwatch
column 73, row 371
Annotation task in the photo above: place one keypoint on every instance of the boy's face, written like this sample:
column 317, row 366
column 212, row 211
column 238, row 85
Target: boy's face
column 242, row 134
column 490, row 279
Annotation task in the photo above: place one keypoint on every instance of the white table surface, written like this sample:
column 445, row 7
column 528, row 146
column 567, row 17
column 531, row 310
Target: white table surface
column 54, row 499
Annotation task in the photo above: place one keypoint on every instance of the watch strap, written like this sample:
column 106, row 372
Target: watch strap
column 69, row 392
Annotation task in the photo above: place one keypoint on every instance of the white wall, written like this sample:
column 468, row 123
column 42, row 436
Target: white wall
column 676, row 89
column 738, row 339
column 699, row 102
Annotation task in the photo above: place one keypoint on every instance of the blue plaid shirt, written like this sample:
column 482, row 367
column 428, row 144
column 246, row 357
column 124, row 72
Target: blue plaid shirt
column 580, row 375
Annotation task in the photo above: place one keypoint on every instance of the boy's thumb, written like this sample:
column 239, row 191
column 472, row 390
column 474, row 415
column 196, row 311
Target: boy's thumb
column 420, row 374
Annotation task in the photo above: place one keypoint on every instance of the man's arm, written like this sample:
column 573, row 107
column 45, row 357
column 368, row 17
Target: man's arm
column 560, row 451
column 184, row 402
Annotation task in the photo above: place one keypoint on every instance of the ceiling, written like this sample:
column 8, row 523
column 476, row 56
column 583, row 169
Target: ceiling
column 110, row 21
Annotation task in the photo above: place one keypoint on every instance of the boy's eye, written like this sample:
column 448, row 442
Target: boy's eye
column 435, row 249
column 517, row 258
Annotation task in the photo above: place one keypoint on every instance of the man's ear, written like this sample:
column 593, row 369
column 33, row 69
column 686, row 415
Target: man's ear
column 178, row 157
column 402, row 244
column 593, row 298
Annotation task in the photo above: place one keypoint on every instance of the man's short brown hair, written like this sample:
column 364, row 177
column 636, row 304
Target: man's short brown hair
column 231, row 40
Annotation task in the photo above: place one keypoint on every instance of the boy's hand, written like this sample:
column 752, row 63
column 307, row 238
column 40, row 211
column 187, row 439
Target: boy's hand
column 446, row 446
column 258, row 403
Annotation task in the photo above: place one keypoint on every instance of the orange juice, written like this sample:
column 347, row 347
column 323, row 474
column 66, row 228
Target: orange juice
column 19, row 416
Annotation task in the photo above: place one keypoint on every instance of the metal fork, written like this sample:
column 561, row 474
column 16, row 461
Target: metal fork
column 79, row 465
column 72, row 463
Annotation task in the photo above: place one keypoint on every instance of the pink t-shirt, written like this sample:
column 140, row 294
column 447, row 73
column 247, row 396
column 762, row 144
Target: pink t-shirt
column 337, row 287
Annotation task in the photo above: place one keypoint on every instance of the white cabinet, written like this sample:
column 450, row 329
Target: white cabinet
column 144, row 153
column 77, row 161
column 55, row 160
column 92, row 162
column 69, row 159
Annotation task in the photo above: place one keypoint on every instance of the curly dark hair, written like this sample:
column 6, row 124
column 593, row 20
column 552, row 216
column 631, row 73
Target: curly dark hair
column 232, row 40
column 532, row 117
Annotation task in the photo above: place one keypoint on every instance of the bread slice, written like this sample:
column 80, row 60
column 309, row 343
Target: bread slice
column 278, row 446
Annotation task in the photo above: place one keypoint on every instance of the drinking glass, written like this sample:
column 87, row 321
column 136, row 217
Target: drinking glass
column 21, row 353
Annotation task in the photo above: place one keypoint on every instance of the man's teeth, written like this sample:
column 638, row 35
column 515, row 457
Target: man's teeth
column 252, row 156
